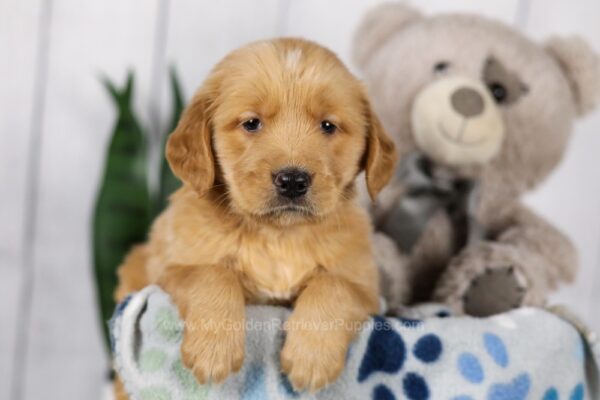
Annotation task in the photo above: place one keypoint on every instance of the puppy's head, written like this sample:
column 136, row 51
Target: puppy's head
column 286, row 128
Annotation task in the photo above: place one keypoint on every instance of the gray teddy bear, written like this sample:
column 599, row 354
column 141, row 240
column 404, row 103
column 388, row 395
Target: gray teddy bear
column 481, row 115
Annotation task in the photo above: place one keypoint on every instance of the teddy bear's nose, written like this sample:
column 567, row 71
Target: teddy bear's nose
column 467, row 102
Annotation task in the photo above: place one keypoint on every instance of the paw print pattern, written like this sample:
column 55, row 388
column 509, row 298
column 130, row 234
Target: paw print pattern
column 516, row 389
column 551, row 394
column 381, row 392
column 387, row 353
column 415, row 387
column 471, row 369
column 254, row 384
column 496, row 349
column 428, row 348
column 577, row 393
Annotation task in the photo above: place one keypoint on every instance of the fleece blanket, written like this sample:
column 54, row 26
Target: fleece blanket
column 524, row 354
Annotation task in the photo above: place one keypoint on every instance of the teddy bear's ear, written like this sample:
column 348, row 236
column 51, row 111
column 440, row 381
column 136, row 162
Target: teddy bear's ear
column 581, row 66
column 378, row 26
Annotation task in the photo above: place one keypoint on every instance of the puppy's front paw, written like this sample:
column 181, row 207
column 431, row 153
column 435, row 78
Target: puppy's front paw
column 313, row 359
column 212, row 354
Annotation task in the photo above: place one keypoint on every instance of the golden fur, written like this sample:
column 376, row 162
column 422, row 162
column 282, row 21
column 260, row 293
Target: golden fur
column 228, row 240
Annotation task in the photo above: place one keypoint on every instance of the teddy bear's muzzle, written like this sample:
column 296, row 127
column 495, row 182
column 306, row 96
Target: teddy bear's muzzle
column 455, row 121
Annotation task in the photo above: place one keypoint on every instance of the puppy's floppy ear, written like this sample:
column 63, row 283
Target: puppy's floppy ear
column 581, row 67
column 378, row 25
column 379, row 161
column 189, row 148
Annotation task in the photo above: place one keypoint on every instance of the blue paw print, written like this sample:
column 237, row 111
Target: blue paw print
column 516, row 389
column 577, row 393
column 254, row 387
column 387, row 352
column 471, row 369
column 381, row 392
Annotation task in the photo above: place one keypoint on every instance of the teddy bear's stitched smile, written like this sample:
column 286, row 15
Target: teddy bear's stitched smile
column 457, row 140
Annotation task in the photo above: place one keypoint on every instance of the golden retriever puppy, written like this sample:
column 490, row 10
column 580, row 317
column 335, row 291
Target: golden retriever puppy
column 268, row 152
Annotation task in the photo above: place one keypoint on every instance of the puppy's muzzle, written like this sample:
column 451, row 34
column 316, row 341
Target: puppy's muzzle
column 291, row 182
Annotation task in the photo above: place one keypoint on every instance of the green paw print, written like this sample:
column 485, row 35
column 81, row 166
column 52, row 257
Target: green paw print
column 194, row 390
column 155, row 393
column 152, row 360
column 168, row 325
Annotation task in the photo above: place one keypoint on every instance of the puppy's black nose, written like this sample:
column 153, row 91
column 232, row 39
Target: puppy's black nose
column 291, row 182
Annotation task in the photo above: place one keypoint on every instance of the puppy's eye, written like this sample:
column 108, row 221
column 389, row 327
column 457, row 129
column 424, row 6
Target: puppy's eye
column 328, row 128
column 441, row 67
column 252, row 125
column 498, row 91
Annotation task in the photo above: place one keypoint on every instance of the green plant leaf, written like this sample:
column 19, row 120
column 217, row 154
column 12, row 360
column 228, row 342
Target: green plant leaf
column 168, row 181
column 122, row 212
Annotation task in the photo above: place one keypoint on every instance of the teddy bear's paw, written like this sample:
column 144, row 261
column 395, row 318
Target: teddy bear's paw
column 495, row 291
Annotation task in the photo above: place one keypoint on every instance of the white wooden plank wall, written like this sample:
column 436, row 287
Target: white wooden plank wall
column 21, row 23
column 55, row 121
column 571, row 197
column 86, row 40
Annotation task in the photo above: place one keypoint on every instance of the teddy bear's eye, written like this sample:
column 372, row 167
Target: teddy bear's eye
column 441, row 66
column 498, row 91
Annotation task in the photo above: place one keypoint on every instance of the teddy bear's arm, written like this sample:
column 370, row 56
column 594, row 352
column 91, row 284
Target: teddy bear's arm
column 524, row 259
column 393, row 271
column 532, row 234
